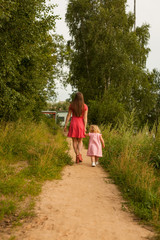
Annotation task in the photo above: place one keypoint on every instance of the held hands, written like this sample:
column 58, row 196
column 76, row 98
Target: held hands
column 85, row 132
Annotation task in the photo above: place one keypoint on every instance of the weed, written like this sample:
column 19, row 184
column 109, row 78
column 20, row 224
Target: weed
column 30, row 153
column 128, row 156
column 12, row 238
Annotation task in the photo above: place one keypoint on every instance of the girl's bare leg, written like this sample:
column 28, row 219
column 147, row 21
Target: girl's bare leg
column 93, row 161
column 97, row 159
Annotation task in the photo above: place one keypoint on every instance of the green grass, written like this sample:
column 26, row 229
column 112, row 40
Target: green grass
column 30, row 153
column 12, row 238
column 128, row 156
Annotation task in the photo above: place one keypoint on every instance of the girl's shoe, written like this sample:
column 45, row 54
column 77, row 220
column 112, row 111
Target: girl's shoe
column 77, row 159
column 80, row 157
column 93, row 164
column 97, row 163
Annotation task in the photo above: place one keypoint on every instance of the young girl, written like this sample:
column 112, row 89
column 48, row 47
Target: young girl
column 96, row 143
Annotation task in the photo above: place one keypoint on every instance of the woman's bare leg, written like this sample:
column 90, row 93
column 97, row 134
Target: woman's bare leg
column 80, row 144
column 75, row 145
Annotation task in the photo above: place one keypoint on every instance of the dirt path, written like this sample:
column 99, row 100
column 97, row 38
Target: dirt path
column 84, row 205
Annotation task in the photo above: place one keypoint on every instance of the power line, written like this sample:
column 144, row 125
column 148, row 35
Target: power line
column 134, row 15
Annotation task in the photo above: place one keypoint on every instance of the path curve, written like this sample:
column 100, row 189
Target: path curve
column 84, row 205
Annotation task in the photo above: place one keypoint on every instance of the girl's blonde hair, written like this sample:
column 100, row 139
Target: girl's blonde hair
column 94, row 129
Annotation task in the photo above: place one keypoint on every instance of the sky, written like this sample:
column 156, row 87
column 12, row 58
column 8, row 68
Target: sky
column 147, row 11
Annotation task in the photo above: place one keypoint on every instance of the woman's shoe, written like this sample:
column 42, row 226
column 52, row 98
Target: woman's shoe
column 77, row 159
column 80, row 157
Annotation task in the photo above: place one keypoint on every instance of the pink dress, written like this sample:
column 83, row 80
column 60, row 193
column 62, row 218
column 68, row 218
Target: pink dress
column 95, row 146
column 76, row 129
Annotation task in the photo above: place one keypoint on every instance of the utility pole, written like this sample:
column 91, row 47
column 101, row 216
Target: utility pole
column 134, row 15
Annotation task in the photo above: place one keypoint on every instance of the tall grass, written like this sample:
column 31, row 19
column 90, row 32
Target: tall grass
column 30, row 153
column 132, row 160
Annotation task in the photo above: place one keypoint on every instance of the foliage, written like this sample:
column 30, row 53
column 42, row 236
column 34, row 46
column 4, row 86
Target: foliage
column 29, row 155
column 153, row 115
column 155, row 153
column 59, row 106
column 130, row 158
column 105, row 111
column 29, row 54
column 108, row 60
column 106, row 50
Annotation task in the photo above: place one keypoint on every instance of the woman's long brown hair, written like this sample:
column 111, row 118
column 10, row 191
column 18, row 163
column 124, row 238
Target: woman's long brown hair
column 78, row 104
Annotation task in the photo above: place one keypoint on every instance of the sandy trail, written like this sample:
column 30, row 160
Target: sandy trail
column 84, row 205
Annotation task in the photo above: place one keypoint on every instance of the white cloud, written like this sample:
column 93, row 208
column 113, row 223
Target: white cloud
column 147, row 11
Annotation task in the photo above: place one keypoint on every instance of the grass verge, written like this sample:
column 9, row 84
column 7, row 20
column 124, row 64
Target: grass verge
column 133, row 162
column 30, row 153
column 129, row 159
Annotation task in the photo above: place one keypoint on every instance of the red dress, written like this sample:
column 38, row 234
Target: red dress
column 76, row 129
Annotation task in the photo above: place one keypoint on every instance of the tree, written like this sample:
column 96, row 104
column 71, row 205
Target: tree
column 28, row 57
column 108, row 57
column 153, row 115
column 59, row 106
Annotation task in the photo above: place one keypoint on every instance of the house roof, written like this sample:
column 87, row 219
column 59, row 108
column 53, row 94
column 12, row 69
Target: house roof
column 49, row 112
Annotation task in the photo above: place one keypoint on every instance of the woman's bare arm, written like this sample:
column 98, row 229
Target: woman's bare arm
column 85, row 119
column 67, row 119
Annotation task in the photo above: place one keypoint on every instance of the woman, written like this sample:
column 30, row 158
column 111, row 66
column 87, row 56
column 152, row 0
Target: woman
column 79, row 110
